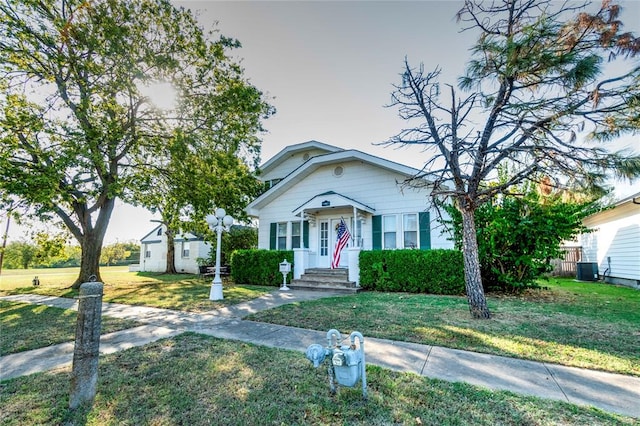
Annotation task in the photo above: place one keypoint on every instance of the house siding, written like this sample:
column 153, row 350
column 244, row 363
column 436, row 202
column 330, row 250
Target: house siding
column 156, row 245
column 374, row 186
column 289, row 164
column 157, row 260
column 615, row 243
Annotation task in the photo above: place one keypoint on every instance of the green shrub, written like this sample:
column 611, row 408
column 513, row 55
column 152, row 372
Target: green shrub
column 239, row 237
column 415, row 271
column 259, row 267
column 518, row 236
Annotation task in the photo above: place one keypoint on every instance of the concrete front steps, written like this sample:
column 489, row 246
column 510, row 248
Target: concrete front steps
column 320, row 279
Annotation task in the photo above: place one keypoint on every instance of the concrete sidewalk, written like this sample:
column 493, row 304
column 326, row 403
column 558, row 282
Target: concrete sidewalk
column 610, row 392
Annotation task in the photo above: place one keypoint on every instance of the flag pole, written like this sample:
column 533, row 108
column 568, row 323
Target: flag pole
column 345, row 225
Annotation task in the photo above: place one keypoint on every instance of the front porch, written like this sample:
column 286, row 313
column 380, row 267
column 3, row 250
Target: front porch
column 307, row 274
column 325, row 279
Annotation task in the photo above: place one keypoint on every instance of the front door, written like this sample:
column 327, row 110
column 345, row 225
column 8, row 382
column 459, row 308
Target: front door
column 324, row 249
column 328, row 239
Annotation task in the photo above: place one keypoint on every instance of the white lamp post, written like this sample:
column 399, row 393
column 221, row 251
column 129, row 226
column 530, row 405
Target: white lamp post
column 218, row 223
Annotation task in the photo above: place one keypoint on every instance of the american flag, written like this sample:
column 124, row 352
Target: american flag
column 341, row 241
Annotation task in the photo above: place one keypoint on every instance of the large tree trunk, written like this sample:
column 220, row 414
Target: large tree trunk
column 171, row 253
column 90, row 239
column 472, row 277
column 90, row 261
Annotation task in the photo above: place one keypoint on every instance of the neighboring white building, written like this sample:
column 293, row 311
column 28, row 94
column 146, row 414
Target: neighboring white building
column 312, row 186
column 188, row 248
column 615, row 243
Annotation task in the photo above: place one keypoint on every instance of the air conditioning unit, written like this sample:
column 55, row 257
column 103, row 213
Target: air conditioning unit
column 587, row 271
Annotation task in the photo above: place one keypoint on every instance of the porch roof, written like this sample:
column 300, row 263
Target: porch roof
column 331, row 200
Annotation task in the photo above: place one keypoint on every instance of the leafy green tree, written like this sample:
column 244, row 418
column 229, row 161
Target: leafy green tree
column 77, row 131
column 133, row 248
column 42, row 250
column 48, row 247
column 19, row 254
column 239, row 237
column 113, row 253
column 533, row 83
column 198, row 183
column 70, row 257
column 10, row 208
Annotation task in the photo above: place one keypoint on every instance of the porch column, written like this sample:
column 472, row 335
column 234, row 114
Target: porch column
column 354, row 237
column 302, row 229
column 354, row 265
column 300, row 262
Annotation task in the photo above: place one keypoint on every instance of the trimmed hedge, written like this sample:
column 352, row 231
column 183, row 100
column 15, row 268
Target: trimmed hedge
column 259, row 267
column 414, row 271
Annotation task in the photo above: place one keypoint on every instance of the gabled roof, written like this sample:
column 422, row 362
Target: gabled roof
column 154, row 232
column 635, row 199
column 292, row 149
column 322, row 160
column 180, row 236
column 628, row 205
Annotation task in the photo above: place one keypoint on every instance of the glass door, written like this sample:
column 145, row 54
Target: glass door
column 324, row 260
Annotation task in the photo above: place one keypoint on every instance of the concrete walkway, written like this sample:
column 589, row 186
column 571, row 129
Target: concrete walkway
column 611, row 392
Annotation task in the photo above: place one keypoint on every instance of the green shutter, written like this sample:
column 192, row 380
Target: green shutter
column 272, row 236
column 376, row 232
column 424, row 223
column 305, row 236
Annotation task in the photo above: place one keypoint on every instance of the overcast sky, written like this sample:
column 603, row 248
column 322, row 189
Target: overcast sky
column 329, row 67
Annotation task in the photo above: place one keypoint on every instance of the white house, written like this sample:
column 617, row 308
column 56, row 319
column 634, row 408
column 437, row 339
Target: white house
column 188, row 248
column 312, row 186
column 615, row 243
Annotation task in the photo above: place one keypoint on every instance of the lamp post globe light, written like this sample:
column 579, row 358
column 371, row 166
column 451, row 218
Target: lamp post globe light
column 219, row 222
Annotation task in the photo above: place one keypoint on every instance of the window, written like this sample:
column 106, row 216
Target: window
column 185, row 249
column 159, row 231
column 295, row 235
column 389, row 231
column 281, row 242
column 410, row 228
column 147, row 252
column 358, row 232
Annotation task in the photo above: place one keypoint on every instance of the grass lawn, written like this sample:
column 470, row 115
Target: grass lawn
column 24, row 327
column 588, row 325
column 181, row 291
column 198, row 380
column 194, row 379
